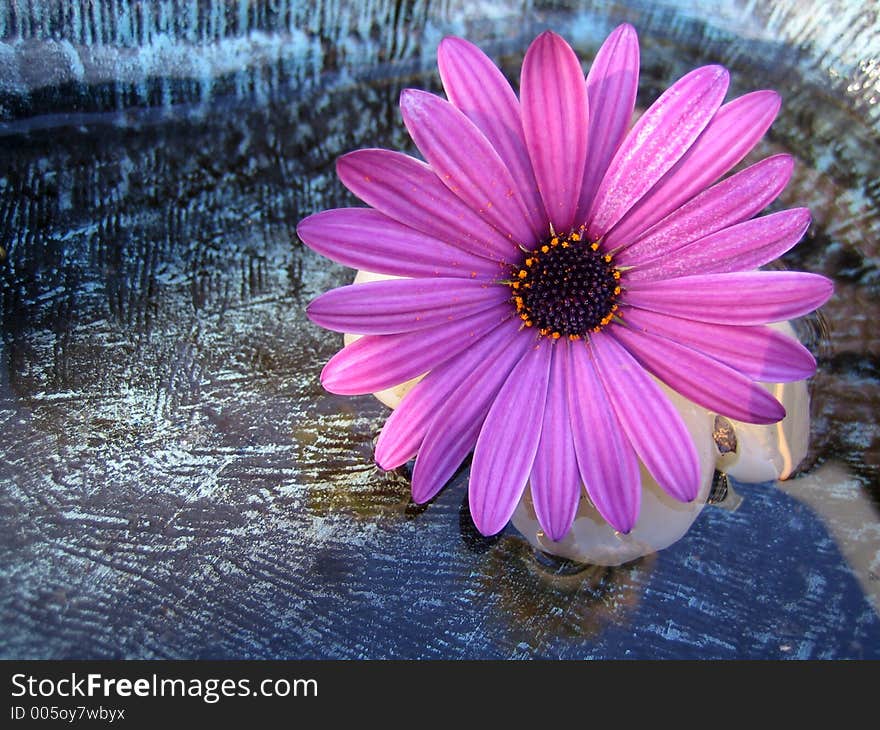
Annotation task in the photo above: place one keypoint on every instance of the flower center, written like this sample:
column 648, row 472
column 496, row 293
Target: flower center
column 566, row 288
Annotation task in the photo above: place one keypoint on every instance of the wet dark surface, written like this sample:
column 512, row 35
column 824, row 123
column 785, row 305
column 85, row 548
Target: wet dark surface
column 175, row 483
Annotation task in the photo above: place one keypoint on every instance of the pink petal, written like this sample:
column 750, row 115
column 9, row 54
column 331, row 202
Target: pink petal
column 476, row 86
column 606, row 460
column 758, row 352
column 751, row 297
column 452, row 433
column 403, row 305
column 376, row 362
column 408, row 191
column 731, row 201
column 612, row 84
column 652, row 425
column 555, row 481
column 703, row 380
column 507, row 443
column 405, row 429
column 657, row 141
column 728, row 138
column 467, row 163
column 742, row 247
column 555, row 122
column 363, row 238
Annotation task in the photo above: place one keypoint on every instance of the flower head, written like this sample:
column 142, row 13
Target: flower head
column 550, row 265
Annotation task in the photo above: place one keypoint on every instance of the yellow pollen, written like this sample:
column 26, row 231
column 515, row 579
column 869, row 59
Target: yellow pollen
column 531, row 275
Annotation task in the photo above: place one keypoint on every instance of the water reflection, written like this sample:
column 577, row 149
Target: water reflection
column 542, row 601
column 845, row 506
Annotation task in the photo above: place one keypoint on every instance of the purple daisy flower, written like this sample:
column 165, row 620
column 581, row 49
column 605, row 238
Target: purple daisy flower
column 551, row 265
